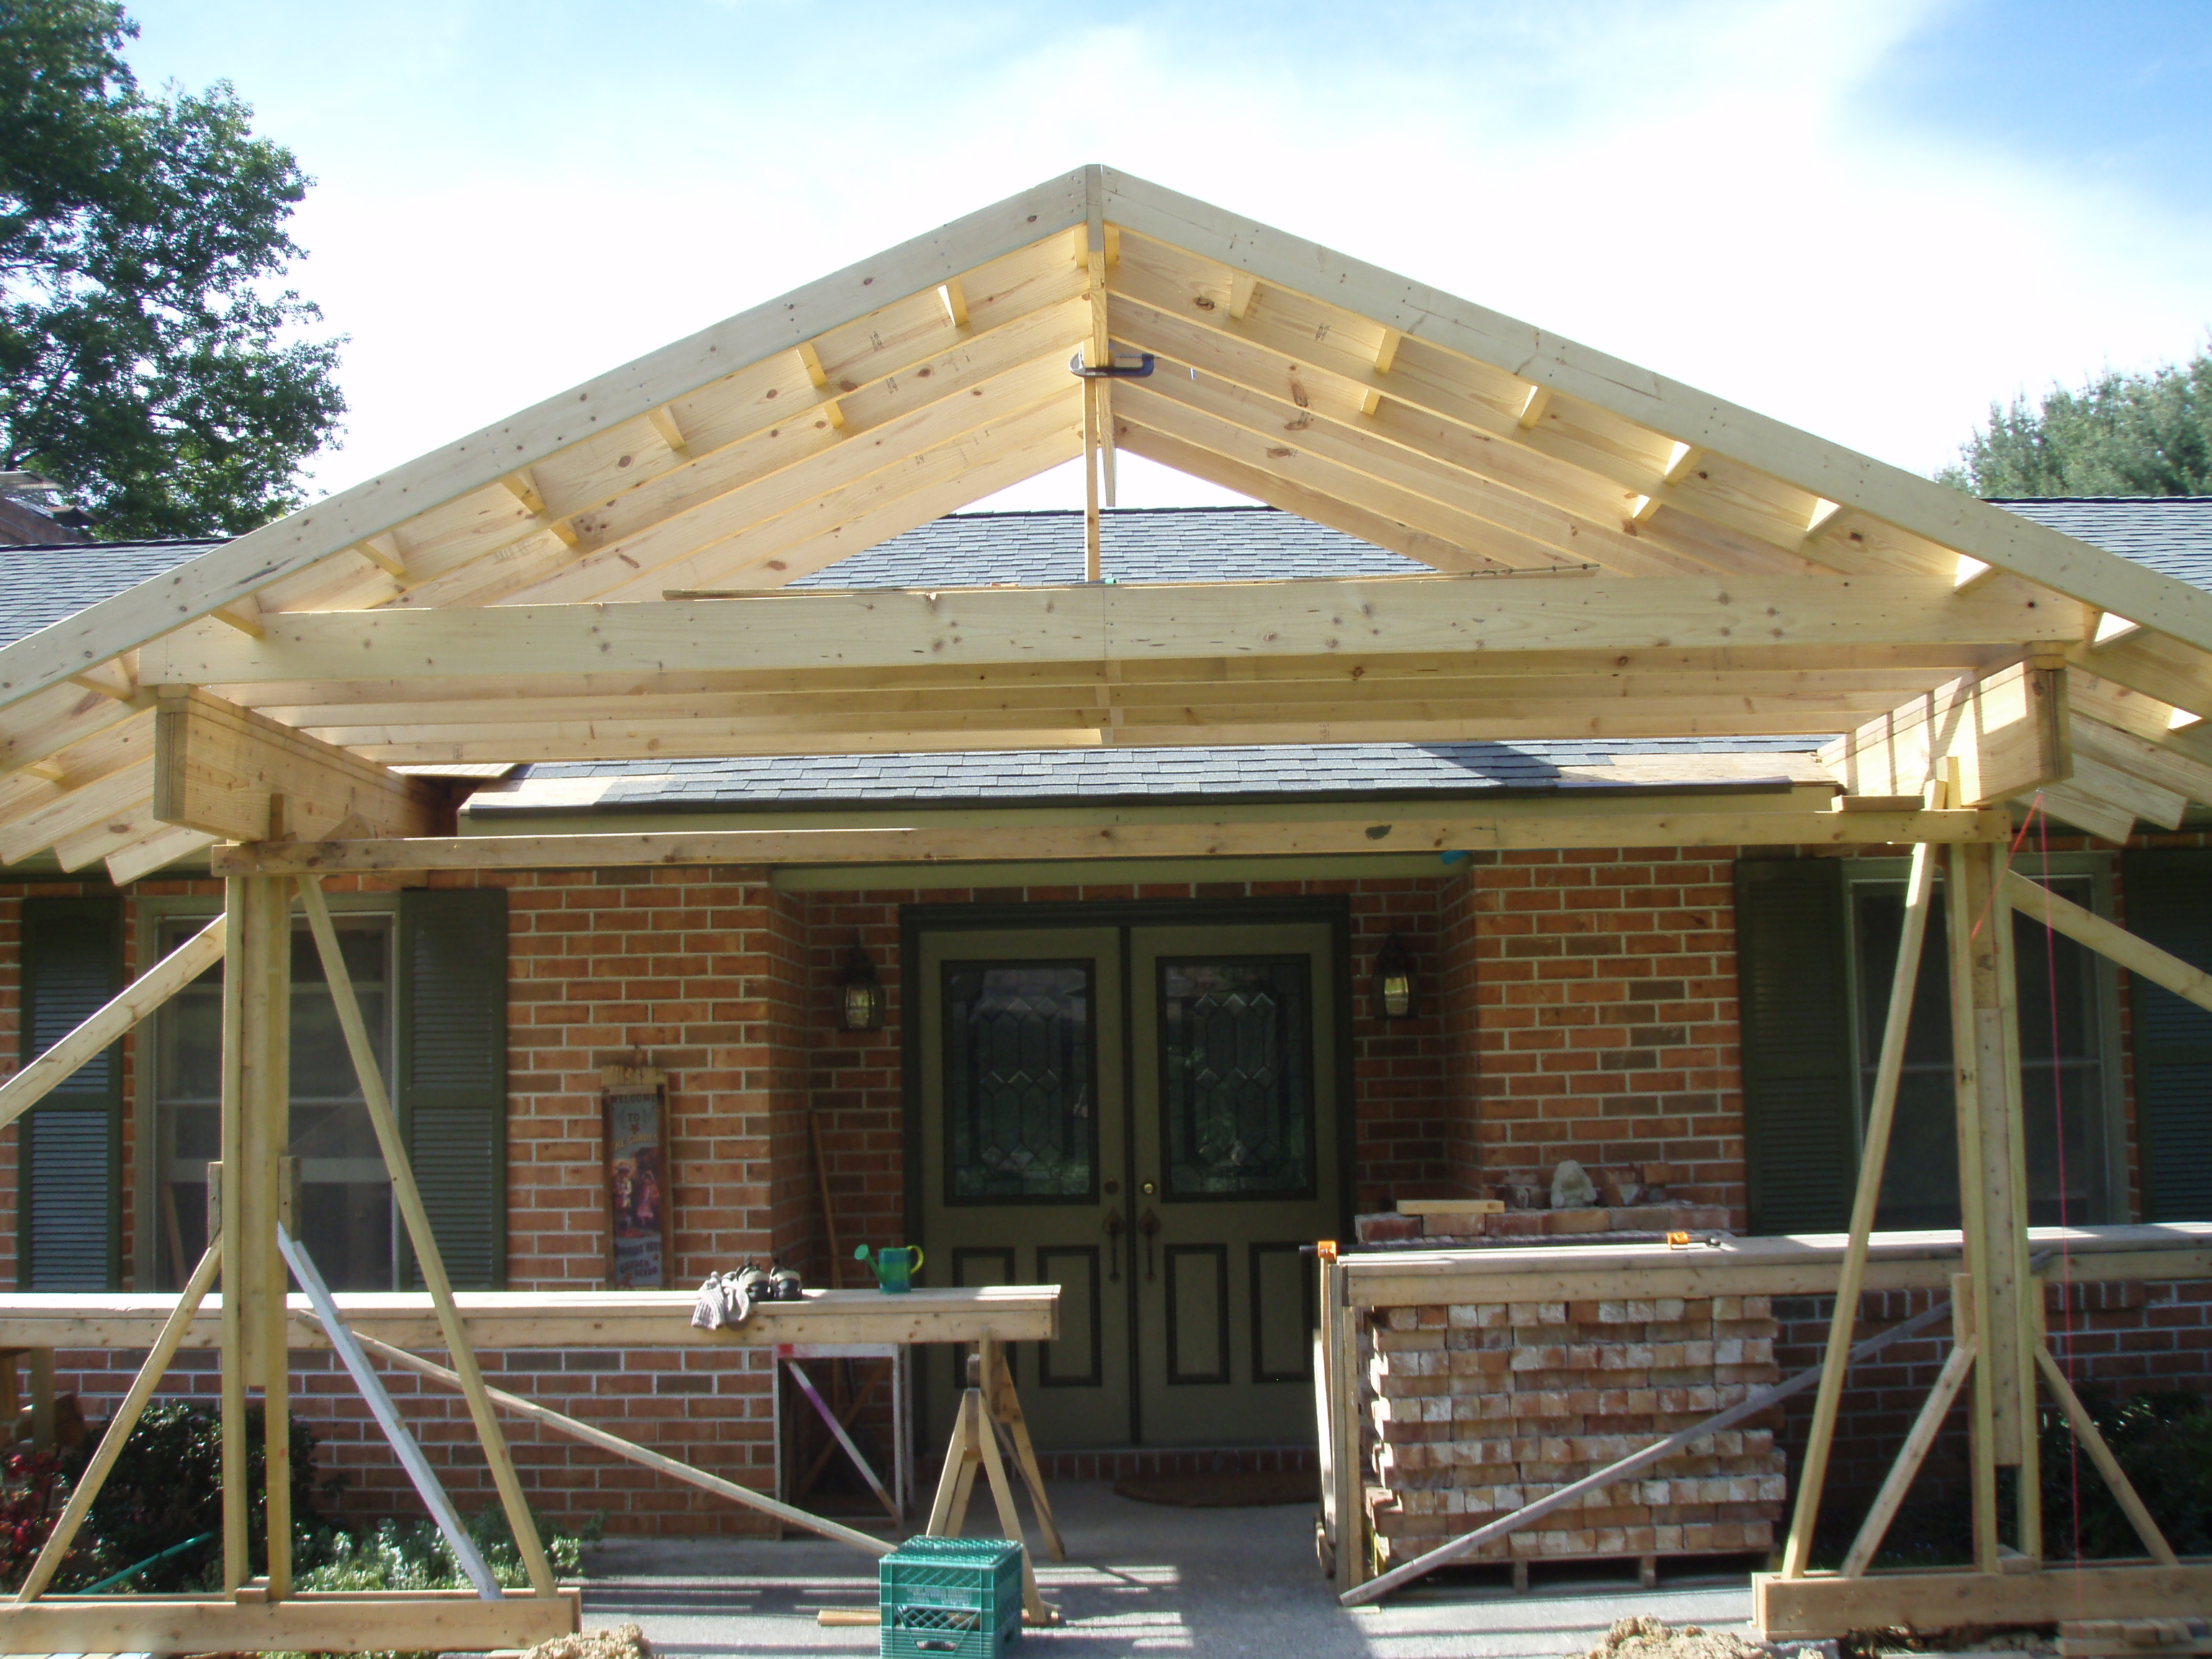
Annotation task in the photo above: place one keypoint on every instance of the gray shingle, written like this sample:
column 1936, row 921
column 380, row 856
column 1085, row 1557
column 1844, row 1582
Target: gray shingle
column 2171, row 534
column 40, row 586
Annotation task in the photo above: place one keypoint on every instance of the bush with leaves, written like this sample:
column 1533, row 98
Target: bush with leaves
column 2162, row 1441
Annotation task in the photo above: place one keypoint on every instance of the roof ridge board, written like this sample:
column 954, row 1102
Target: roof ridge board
column 1921, row 505
column 229, row 573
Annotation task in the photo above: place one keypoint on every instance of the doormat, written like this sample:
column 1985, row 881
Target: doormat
column 1228, row 1489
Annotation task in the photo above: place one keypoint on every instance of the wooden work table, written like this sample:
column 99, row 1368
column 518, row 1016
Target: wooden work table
column 559, row 1319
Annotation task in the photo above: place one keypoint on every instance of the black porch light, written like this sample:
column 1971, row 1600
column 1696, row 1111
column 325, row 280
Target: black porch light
column 1393, row 980
column 860, row 997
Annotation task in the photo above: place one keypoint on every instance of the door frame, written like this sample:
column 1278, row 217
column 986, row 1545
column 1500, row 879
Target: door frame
column 915, row 920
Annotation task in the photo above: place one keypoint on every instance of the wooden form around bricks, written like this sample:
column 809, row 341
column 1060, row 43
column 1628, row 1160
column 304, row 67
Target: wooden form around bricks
column 1629, row 1293
column 1803, row 1265
column 559, row 1319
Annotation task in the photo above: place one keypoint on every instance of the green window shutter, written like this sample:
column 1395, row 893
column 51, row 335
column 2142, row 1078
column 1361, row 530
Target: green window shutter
column 1801, row 1143
column 2169, row 899
column 452, row 1069
column 68, row 1159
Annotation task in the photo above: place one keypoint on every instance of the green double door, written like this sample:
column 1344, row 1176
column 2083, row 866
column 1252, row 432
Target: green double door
column 1146, row 1116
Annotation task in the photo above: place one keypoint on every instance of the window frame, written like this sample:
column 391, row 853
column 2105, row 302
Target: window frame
column 151, row 914
column 2098, row 867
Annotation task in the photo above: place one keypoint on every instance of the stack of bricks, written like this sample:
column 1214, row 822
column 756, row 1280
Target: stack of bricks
column 1481, row 1409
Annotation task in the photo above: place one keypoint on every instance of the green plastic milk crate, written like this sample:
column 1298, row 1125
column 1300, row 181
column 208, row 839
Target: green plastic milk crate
column 961, row 1597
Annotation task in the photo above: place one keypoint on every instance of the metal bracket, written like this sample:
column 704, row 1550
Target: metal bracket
column 1112, row 371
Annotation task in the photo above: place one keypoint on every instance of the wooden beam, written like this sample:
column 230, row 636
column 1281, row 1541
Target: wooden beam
column 351, row 1621
column 1472, row 333
column 231, row 772
column 1680, row 462
column 1508, row 825
column 2138, row 955
column 154, row 851
column 75, row 810
column 662, row 421
column 1243, row 286
column 303, row 538
column 2165, row 764
column 1534, row 407
column 383, row 552
column 1827, row 1604
column 2005, row 733
column 119, row 1014
column 1140, row 622
column 243, row 613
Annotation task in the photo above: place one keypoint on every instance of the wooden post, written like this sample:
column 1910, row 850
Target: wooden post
column 1879, row 1111
column 1340, row 1316
column 256, row 1124
column 1982, row 1474
column 1994, row 1191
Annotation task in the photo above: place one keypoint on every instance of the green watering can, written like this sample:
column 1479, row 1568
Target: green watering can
column 895, row 1265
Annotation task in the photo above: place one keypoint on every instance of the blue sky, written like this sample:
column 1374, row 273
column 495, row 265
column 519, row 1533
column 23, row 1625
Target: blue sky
column 1868, row 217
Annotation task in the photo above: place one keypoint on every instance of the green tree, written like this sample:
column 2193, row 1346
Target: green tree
column 2121, row 434
column 150, row 361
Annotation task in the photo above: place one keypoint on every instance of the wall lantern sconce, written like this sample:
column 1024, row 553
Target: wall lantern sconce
column 1393, row 980
column 861, row 997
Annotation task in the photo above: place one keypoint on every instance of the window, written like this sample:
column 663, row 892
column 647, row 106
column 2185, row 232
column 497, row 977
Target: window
column 1816, row 950
column 2069, row 1106
column 345, row 1211
column 68, row 1149
column 429, row 970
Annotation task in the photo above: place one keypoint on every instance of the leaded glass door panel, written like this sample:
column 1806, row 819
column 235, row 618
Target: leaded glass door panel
column 1023, row 1144
column 1232, row 1073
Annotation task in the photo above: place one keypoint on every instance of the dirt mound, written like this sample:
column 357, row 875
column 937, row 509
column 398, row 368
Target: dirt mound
column 1648, row 1638
column 622, row 1641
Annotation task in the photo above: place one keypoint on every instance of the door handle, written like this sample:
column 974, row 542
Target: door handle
column 1115, row 1228
column 1148, row 1223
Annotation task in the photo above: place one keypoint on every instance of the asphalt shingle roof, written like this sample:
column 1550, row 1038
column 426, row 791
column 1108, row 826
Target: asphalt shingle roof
column 40, row 586
column 2171, row 534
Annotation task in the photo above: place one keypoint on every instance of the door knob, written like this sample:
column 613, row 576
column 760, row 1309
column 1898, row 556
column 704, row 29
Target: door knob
column 1148, row 1225
column 1115, row 1228
column 1150, row 1187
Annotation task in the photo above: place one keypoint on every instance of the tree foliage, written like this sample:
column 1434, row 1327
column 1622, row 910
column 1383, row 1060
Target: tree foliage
column 2121, row 434
column 149, row 360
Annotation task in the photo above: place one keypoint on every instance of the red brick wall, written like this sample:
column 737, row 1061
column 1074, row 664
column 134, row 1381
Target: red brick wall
column 1604, row 1018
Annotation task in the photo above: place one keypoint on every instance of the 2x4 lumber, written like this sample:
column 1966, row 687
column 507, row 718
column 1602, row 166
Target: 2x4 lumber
column 223, row 770
column 1827, row 1604
column 119, row 1014
column 300, row 539
column 1921, row 506
column 77, row 810
column 1148, row 622
column 1309, row 343
column 2138, row 955
column 1576, row 1491
column 573, row 1430
column 2093, row 1440
column 1881, row 1109
column 2084, row 811
column 1502, row 827
column 2126, row 791
column 1997, row 735
column 579, row 1319
column 2155, row 762
column 119, row 1425
column 405, row 1196
column 154, row 851
column 783, row 489
column 1910, row 1456
column 1489, row 461
column 44, row 724
column 2155, row 665
column 355, row 1621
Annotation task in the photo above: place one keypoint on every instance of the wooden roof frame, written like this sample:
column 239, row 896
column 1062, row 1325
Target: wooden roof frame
column 1617, row 555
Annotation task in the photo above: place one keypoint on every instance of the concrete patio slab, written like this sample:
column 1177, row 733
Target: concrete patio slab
column 1141, row 1579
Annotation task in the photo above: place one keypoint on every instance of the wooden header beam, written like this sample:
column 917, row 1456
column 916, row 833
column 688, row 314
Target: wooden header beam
column 1510, row 824
column 2005, row 733
column 1149, row 622
column 230, row 772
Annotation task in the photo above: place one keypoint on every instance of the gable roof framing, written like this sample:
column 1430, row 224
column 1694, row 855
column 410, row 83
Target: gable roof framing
column 1617, row 553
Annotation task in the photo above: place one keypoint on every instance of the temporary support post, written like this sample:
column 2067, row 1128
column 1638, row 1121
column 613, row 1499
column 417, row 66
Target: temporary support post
column 1993, row 1198
column 1880, row 1112
column 257, row 1005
